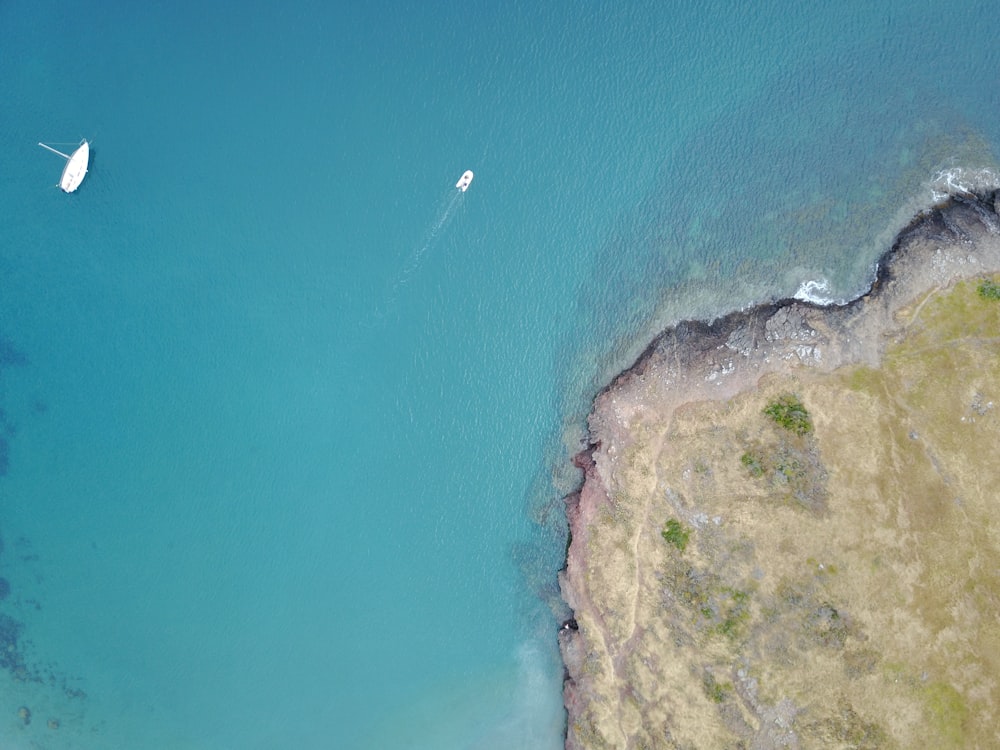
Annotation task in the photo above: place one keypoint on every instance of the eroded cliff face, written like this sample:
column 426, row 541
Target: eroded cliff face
column 786, row 532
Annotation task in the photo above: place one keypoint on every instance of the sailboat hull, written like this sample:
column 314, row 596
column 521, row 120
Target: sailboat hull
column 76, row 168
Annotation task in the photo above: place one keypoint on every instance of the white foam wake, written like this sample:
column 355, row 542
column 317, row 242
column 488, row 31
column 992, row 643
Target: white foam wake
column 445, row 213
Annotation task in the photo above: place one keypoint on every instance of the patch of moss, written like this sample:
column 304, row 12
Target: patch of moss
column 788, row 412
column 948, row 712
column 864, row 379
column 675, row 533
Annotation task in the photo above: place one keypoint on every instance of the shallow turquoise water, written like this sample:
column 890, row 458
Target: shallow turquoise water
column 286, row 416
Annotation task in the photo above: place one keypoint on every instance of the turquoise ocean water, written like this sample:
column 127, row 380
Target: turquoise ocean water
column 286, row 417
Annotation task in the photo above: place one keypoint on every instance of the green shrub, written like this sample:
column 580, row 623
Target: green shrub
column 989, row 290
column 735, row 612
column 715, row 690
column 788, row 412
column 676, row 534
column 754, row 463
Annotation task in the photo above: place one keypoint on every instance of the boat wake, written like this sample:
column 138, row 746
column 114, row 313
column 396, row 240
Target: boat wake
column 445, row 214
column 447, row 210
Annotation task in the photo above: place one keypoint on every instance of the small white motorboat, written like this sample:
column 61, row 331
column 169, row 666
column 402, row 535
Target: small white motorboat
column 76, row 166
column 464, row 181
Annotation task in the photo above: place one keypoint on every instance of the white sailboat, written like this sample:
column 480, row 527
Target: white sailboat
column 76, row 166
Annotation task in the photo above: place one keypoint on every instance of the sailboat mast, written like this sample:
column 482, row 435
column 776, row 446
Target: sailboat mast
column 64, row 156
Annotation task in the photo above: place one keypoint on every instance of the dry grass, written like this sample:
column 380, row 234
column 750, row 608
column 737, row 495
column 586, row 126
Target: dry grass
column 847, row 594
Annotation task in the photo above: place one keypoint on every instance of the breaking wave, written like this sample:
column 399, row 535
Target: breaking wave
column 962, row 181
column 815, row 291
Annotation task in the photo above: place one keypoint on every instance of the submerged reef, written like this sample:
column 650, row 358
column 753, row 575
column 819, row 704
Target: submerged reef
column 11, row 658
column 786, row 535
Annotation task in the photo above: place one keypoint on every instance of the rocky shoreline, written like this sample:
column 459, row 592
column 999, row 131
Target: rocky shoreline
column 697, row 362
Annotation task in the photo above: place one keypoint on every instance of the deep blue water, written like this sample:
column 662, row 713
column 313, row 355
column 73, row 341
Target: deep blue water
column 286, row 417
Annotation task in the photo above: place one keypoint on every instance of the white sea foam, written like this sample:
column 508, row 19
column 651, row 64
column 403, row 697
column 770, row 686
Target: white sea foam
column 815, row 291
column 961, row 181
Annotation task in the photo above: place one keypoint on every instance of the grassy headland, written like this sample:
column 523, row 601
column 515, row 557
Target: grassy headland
column 806, row 557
